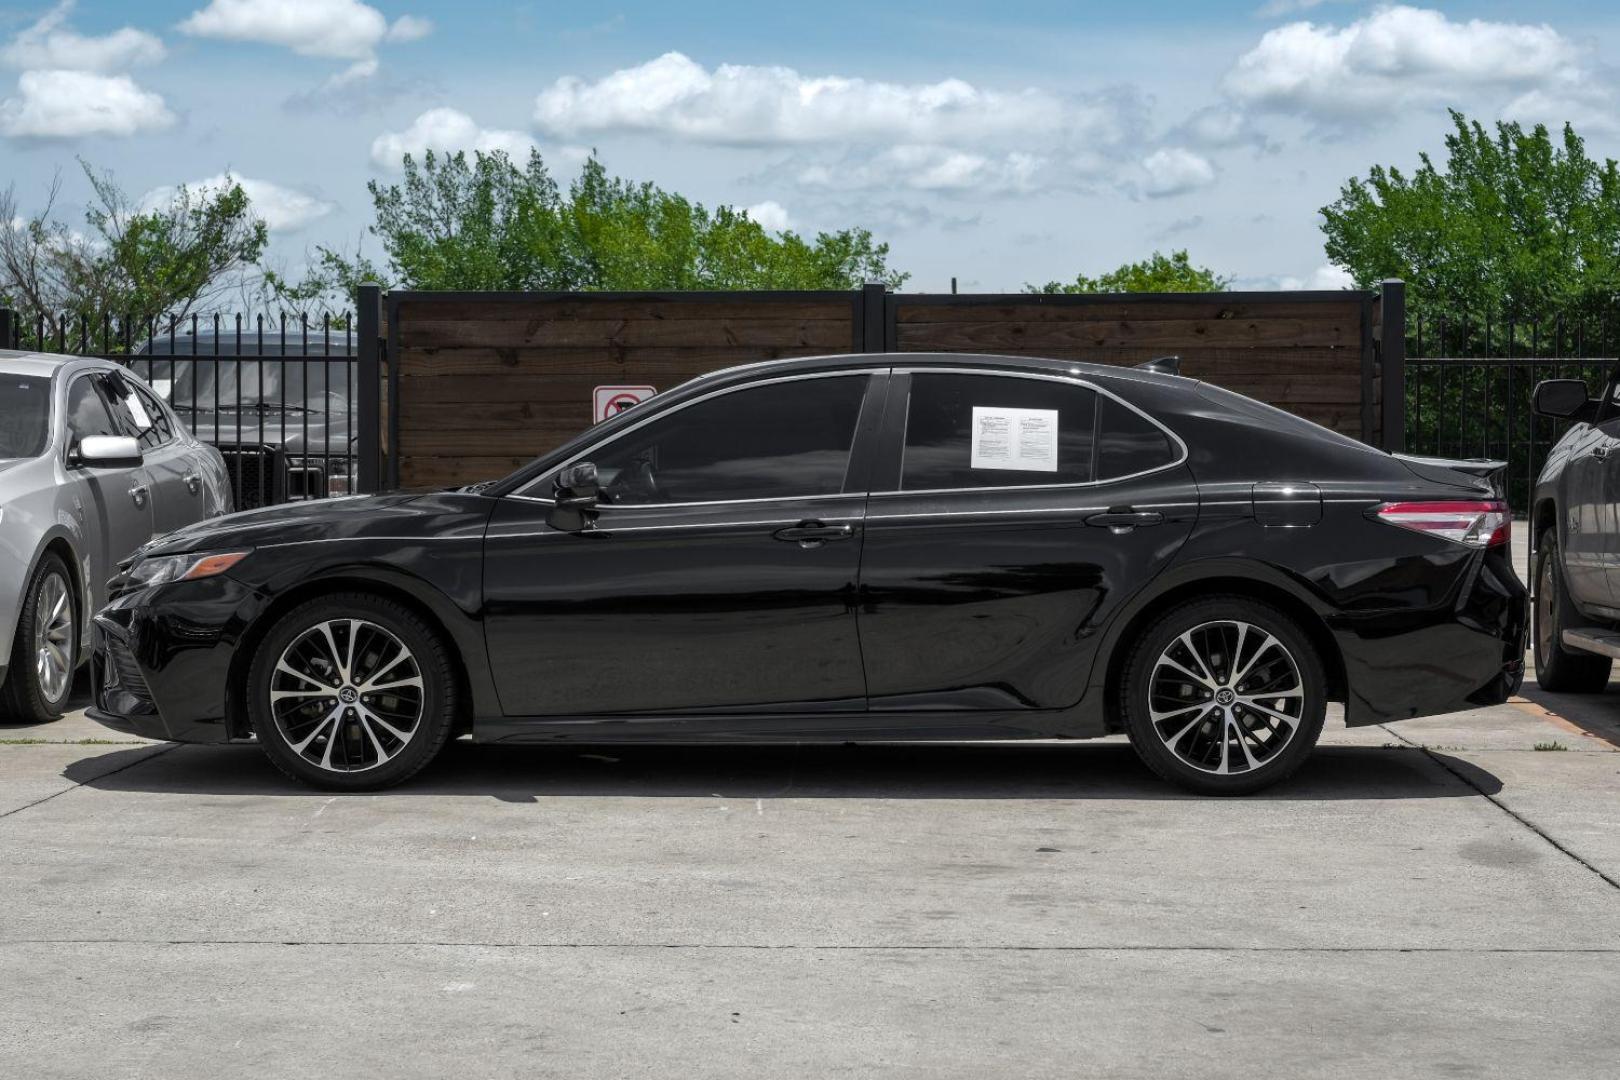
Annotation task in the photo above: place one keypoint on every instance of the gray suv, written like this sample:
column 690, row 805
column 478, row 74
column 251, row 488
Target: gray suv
column 93, row 464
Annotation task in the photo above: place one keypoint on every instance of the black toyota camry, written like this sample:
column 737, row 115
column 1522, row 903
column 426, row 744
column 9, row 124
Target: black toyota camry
column 846, row 548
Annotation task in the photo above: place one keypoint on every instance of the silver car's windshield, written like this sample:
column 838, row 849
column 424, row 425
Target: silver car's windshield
column 25, row 416
column 310, row 384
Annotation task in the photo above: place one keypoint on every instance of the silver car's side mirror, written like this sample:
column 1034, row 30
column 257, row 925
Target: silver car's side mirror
column 107, row 452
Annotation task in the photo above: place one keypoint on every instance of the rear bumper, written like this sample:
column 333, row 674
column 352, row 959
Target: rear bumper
column 168, row 677
column 1466, row 653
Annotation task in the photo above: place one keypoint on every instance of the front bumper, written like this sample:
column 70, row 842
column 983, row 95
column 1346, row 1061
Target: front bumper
column 166, row 676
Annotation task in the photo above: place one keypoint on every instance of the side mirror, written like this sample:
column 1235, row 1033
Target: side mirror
column 107, row 452
column 1563, row 399
column 577, row 493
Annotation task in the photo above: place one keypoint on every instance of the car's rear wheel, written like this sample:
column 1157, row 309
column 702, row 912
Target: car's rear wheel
column 1223, row 695
column 45, row 652
column 1558, row 668
column 351, row 692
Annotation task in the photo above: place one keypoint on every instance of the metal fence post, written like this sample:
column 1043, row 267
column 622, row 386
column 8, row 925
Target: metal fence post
column 873, row 316
column 1392, row 355
column 368, row 402
column 8, row 328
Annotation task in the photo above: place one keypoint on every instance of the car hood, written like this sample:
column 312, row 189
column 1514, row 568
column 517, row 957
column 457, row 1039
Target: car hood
column 398, row 515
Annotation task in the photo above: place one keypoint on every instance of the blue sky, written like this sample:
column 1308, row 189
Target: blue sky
column 998, row 144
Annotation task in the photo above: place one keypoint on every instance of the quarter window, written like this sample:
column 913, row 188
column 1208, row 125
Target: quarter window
column 1128, row 442
column 782, row 440
column 969, row 431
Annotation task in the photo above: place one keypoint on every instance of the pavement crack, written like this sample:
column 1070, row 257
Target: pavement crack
column 1441, row 761
column 163, row 749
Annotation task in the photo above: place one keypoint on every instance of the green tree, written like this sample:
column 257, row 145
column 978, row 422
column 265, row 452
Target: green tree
column 485, row 222
column 129, row 262
column 1174, row 272
column 1515, row 223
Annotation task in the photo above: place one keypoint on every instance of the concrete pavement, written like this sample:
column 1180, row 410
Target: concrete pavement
column 1434, row 898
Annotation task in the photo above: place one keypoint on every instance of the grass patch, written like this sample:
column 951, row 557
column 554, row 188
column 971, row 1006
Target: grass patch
column 1550, row 746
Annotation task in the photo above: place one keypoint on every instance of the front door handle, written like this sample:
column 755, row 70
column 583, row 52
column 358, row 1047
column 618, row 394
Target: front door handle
column 1600, row 452
column 193, row 482
column 1123, row 519
column 139, row 493
column 811, row 534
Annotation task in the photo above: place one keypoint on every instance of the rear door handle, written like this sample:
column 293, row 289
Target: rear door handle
column 1123, row 518
column 813, row 533
column 193, row 482
column 139, row 493
column 1600, row 452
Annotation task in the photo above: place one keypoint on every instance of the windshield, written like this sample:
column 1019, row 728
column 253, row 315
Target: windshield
column 315, row 384
column 25, row 416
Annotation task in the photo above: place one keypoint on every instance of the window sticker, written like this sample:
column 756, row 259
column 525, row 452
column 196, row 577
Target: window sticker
column 138, row 410
column 1006, row 438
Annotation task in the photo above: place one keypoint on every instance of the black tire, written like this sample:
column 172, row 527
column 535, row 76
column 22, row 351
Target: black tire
column 25, row 698
column 281, row 726
column 1557, row 668
column 1224, row 629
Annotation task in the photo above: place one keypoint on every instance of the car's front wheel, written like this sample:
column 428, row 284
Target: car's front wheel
column 1223, row 695
column 45, row 651
column 1558, row 668
column 351, row 692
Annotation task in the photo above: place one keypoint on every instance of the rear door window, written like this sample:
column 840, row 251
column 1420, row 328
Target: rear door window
column 986, row 431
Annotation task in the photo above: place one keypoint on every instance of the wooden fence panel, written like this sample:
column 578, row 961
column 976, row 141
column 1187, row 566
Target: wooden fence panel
column 487, row 382
column 1303, row 352
column 481, row 383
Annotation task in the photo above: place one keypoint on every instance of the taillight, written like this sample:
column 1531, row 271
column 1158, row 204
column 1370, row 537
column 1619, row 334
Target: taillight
column 1477, row 524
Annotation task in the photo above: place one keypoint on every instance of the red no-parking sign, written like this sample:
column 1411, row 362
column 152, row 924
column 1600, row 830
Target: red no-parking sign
column 609, row 401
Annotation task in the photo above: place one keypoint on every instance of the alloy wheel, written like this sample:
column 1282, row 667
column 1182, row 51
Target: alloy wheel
column 53, row 637
column 347, row 695
column 1226, row 697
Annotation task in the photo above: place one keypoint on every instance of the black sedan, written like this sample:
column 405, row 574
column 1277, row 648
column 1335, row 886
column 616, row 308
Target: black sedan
column 846, row 548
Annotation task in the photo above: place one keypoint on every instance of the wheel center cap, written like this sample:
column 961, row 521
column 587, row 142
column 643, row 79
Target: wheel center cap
column 348, row 695
column 1224, row 696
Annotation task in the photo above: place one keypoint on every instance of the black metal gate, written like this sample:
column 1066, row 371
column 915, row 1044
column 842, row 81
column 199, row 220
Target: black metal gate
column 277, row 395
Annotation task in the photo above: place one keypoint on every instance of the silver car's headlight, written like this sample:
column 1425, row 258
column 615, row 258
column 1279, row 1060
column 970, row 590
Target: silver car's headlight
column 189, row 567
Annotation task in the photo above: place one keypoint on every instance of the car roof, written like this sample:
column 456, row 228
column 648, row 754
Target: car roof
column 45, row 364
column 987, row 361
column 336, row 343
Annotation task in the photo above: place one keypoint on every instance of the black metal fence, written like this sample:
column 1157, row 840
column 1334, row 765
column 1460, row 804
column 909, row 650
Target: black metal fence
column 276, row 394
column 1469, row 380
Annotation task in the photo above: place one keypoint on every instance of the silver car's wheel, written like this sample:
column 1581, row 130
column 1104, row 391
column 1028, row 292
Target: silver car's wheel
column 54, row 639
column 347, row 695
column 1225, row 697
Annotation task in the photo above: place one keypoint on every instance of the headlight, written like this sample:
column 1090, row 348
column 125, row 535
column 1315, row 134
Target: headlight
column 183, row 567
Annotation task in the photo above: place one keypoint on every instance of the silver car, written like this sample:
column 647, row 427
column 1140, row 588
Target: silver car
column 93, row 464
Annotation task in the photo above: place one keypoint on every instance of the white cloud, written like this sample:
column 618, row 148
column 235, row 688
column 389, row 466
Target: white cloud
column 445, row 129
column 1393, row 57
column 771, row 215
column 70, row 104
column 1176, row 171
column 927, row 168
column 1220, row 127
column 283, row 209
column 331, row 29
column 743, row 105
column 409, row 28
column 1327, row 277
column 51, row 44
